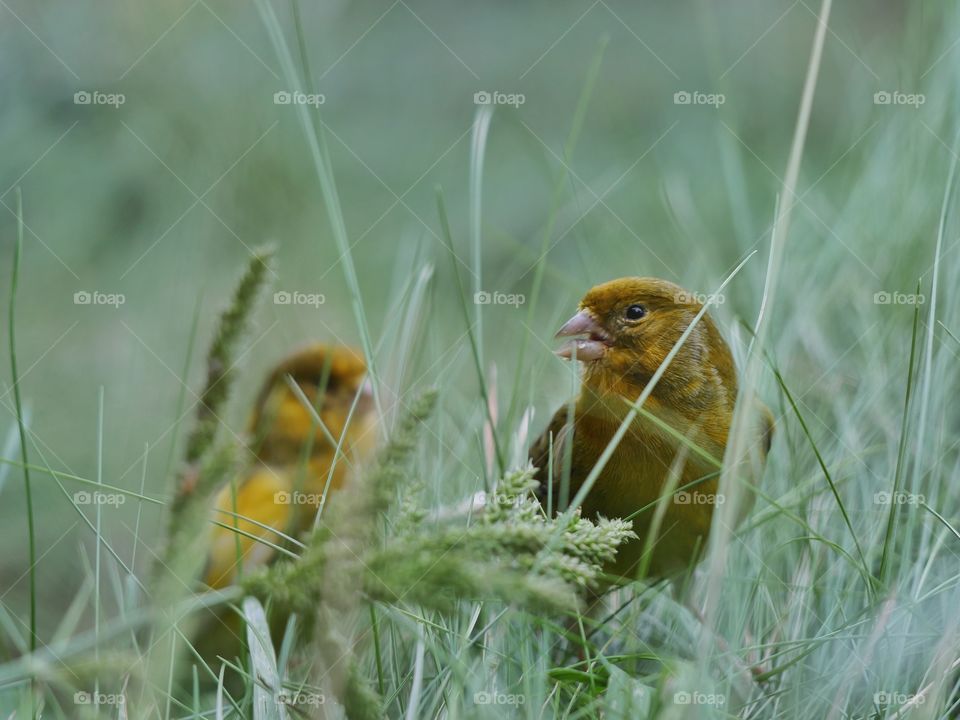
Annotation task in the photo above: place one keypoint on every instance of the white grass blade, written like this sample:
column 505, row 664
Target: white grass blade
column 267, row 703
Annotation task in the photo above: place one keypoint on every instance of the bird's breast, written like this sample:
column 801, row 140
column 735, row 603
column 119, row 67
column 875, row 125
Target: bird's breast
column 637, row 474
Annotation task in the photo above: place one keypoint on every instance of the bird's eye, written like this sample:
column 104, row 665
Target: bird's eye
column 635, row 312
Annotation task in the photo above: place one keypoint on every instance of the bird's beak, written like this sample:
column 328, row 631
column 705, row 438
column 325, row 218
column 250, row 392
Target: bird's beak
column 591, row 347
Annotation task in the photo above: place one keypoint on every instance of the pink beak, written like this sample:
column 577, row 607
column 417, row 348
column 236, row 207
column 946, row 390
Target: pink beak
column 586, row 349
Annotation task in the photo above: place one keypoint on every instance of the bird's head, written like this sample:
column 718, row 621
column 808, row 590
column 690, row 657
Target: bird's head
column 624, row 329
column 331, row 378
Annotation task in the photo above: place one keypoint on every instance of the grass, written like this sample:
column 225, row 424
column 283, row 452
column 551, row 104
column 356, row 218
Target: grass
column 21, row 427
column 835, row 599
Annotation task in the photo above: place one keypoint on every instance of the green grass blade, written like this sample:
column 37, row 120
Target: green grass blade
column 826, row 473
column 18, row 402
column 320, row 156
column 901, row 453
column 470, row 330
column 579, row 115
column 478, row 144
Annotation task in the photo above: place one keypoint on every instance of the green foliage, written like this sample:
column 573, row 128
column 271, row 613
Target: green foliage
column 209, row 463
column 506, row 552
column 225, row 350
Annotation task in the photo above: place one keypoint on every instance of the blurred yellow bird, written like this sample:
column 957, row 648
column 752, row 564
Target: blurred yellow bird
column 296, row 460
column 622, row 332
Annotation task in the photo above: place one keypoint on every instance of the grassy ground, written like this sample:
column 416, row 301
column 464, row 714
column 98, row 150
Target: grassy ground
column 840, row 590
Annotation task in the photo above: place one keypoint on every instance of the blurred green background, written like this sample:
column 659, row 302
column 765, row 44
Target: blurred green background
column 161, row 198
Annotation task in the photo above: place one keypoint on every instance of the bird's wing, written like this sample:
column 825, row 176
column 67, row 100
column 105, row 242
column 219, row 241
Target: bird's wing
column 263, row 496
column 553, row 438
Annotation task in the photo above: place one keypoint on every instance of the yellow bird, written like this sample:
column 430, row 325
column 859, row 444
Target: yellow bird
column 622, row 332
column 296, row 460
